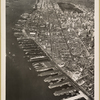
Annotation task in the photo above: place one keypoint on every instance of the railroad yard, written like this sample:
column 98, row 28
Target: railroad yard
column 58, row 39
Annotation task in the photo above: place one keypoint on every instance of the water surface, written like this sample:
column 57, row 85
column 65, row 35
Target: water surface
column 22, row 83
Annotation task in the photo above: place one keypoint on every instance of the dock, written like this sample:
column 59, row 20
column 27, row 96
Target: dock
column 37, row 67
column 53, row 72
column 64, row 91
column 53, row 78
column 59, row 84
column 80, row 96
column 45, row 69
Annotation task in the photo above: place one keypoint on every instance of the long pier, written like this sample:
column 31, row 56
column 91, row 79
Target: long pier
column 45, row 69
column 65, row 91
column 53, row 78
column 80, row 96
column 53, row 72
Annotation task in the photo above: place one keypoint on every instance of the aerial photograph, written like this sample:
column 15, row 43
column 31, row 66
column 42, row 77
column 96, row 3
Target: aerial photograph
column 50, row 49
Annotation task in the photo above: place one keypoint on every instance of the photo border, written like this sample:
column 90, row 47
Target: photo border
column 0, row 49
column 2, row 76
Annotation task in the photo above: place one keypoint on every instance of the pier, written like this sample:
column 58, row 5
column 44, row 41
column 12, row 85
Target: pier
column 80, row 96
column 48, row 73
column 65, row 91
column 45, row 69
column 53, row 78
column 60, row 84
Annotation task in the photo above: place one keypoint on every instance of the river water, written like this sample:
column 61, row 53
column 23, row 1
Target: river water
column 22, row 83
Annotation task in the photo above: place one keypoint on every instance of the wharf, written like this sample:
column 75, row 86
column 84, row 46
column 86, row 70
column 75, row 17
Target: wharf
column 30, row 46
column 45, row 69
column 53, row 78
column 80, row 96
column 23, row 39
column 49, row 63
column 34, row 53
column 27, row 42
column 39, row 59
column 64, row 91
column 32, row 49
column 37, row 67
column 60, row 84
column 53, row 72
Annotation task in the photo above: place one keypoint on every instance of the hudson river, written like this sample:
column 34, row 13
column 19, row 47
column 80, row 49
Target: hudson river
column 22, row 83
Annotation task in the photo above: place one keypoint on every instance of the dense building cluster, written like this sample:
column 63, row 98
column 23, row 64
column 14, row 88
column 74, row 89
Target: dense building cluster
column 68, row 37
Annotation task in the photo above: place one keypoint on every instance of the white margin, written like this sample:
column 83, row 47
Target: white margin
column 3, row 50
column 96, row 78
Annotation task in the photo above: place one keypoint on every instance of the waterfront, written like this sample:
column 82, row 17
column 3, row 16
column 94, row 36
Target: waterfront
column 22, row 83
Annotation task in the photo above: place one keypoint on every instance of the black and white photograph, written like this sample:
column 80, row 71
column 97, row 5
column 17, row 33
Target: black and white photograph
column 50, row 50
